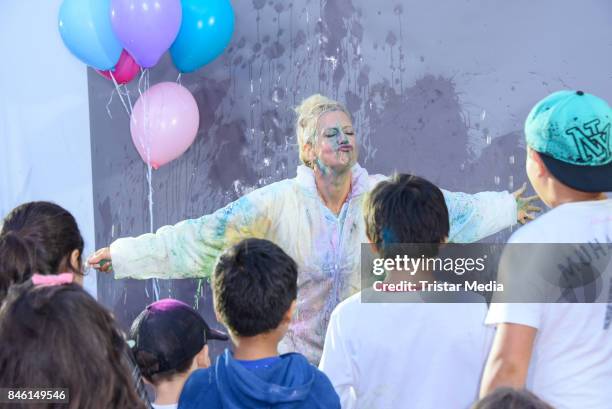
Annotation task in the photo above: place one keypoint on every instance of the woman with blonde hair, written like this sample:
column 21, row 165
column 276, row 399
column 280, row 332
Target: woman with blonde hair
column 315, row 217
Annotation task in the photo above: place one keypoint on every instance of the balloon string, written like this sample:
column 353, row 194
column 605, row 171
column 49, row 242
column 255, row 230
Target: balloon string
column 110, row 101
column 142, row 72
column 145, row 144
column 127, row 92
column 178, row 79
column 143, row 86
column 119, row 92
column 156, row 288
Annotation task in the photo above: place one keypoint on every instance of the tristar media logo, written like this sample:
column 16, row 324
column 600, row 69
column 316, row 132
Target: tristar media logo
column 592, row 143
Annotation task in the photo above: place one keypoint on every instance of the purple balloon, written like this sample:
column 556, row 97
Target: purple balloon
column 146, row 28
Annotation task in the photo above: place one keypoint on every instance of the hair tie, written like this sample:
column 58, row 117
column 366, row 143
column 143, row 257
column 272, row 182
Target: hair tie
column 52, row 280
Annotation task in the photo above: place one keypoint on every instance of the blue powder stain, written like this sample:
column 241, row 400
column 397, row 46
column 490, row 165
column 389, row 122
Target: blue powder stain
column 241, row 212
column 321, row 166
column 388, row 236
column 335, row 296
column 309, row 217
column 241, row 206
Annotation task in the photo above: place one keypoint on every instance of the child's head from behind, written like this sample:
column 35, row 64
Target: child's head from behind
column 58, row 336
column 508, row 398
column 406, row 209
column 569, row 157
column 170, row 341
column 38, row 237
column 255, row 288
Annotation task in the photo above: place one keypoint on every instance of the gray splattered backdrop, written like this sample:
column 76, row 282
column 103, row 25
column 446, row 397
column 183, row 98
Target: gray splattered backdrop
column 438, row 88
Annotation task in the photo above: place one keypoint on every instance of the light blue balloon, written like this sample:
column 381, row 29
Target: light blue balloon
column 85, row 27
column 206, row 30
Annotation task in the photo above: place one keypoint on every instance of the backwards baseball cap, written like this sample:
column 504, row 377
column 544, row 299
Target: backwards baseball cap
column 167, row 334
column 571, row 132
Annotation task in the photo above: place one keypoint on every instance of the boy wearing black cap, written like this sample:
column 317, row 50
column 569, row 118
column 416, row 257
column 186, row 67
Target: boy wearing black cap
column 169, row 341
column 254, row 292
column 563, row 351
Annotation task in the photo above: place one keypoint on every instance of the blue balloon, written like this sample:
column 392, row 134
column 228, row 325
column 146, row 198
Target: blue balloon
column 205, row 31
column 85, row 27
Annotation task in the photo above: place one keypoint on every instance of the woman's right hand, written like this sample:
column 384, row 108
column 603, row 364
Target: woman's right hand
column 101, row 260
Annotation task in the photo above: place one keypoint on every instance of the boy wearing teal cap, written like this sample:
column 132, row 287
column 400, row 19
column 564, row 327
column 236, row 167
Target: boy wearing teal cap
column 562, row 352
column 568, row 137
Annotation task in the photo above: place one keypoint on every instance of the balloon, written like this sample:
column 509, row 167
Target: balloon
column 125, row 70
column 164, row 123
column 206, row 30
column 86, row 30
column 146, row 28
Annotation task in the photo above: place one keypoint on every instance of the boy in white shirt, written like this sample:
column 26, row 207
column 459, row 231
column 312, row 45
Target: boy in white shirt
column 406, row 354
column 562, row 352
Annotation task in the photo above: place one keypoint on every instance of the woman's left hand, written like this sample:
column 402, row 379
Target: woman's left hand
column 524, row 205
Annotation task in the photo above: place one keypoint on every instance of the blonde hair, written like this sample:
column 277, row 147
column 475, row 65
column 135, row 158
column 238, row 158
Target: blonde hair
column 308, row 113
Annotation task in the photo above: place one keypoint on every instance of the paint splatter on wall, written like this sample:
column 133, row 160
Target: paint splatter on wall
column 443, row 95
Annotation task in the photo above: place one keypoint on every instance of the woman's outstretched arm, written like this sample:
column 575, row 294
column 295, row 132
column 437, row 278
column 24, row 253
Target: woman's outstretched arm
column 189, row 249
column 475, row 216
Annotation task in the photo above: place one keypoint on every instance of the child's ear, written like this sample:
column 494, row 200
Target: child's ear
column 203, row 358
column 537, row 159
column 289, row 314
column 75, row 260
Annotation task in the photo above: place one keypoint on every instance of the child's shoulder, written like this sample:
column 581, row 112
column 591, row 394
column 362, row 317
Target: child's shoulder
column 202, row 375
column 323, row 391
column 299, row 363
column 196, row 388
column 349, row 305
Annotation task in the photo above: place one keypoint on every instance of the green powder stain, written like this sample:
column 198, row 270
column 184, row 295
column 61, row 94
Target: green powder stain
column 322, row 168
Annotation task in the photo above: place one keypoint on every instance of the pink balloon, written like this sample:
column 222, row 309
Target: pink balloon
column 125, row 70
column 164, row 123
